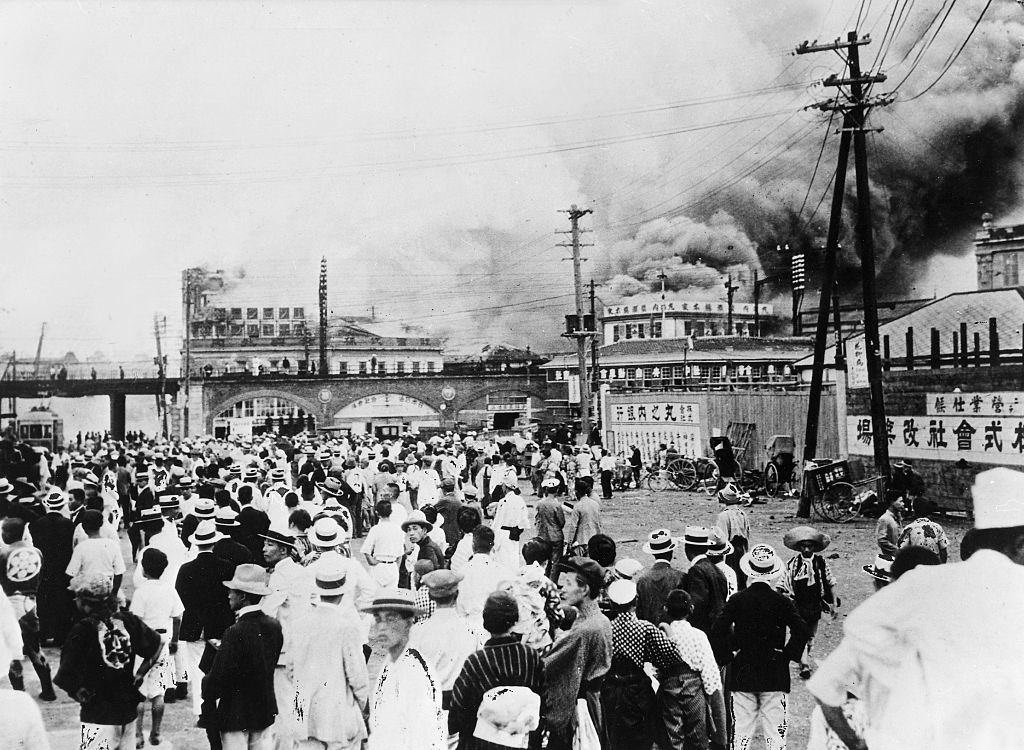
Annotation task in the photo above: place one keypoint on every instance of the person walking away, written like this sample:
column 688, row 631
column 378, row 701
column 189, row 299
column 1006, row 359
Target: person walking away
column 584, row 520
column 445, row 639
column 732, row 521
column 549, row 522
column 241, row 679
column 496, row 698
column 97, row 665
column 696, row 651
column 96, row 554
column 406, row 702
column 52, row 534
column 511, row 519
column 634, row 716
column 887, row 528
column 481, row 577
column 578, row 660
column 469, row 518
column 607, row 468
column 157, row 604
column 704, row 582
column 716, row 554
column 200, row 586
column 329, row 670
column 809, row 578
column 654, row 584
column 21, row 565
column 384, row 547
column 909, row 485
column 750, row 636
column 908, row 653
column 924, row 532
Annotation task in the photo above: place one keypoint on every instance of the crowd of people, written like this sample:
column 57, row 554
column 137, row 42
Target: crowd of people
column 460, row 619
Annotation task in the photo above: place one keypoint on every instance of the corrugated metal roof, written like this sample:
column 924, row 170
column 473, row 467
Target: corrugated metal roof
column 946, row 314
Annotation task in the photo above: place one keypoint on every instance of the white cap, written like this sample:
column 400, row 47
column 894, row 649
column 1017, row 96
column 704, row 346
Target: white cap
column 998, row 499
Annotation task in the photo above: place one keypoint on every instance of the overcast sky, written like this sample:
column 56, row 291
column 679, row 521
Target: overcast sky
column 424, row 148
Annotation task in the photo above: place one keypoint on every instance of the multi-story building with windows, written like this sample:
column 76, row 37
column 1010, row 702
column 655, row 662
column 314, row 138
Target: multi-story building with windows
column 999, row 251
column 228, row 333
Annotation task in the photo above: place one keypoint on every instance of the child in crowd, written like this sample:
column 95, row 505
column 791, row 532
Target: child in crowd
column 157, row 604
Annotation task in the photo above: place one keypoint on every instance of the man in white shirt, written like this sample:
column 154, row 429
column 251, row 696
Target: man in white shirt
column 384, row 547
column 607, row 469
column 481, row 576
column 406, row 703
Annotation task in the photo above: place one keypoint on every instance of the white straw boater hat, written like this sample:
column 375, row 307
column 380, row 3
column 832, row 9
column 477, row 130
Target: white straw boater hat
column 330, row 576
column 659, row 542
column 394, row 600
column 327, row 534
column 761, row 563
column 55, row 499
column 697, row 536
column 252, row 579
column 881, row 569
column 206, row 533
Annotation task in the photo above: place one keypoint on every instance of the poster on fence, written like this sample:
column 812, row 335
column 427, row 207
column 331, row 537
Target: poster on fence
column 648, row 425
column 952, row 437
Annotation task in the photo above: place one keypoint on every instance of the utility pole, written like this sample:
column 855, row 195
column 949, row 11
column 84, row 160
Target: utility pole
column 575, row 214
column 730, row 290
column 798, row 282
column 758, row 283
column 595, row 372
column 187, row 364
column 161, row 373
column 854, row 116
column 323, row 317
column 662, row 277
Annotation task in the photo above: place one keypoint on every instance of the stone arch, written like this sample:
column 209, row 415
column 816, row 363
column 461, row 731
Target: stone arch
column 224, row 404
column 462, row 402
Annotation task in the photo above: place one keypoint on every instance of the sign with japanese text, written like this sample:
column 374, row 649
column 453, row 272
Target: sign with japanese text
column 648, row 438
column 976, row 404
column 692, row 306
column 574, row 389
column 857, row 364
column 659, row 412
column 949, row 437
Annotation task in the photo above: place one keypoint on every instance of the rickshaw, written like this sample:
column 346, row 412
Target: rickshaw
column 780, row 468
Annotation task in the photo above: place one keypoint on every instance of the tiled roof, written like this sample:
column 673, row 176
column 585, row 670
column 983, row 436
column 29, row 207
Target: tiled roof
column 946, row 314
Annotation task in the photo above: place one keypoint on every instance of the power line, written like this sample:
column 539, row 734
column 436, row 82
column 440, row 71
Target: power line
column 953, row 57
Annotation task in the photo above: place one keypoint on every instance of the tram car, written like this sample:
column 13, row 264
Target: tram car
column 41, row 428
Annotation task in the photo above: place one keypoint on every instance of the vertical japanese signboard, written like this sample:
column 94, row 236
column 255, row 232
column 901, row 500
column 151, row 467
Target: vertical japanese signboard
column 857, row 365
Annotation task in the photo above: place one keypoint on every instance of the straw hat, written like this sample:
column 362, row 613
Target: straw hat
column 330, row 576
column 697, row 536
column 997, row 497
column 622, row 591
column 205, row 508
column 659, row 541
column 278, row 537
column 252, row 579
column 761, row 563
column 226, row 518
column 729, row 496
column 881, row 569
column 416, row 518
column 394, row 600
column 628, row 568
column 330, row 486
column 55, row 499
column 327, row 533
column 800, row 534
column 720, row 546
column 206, row 533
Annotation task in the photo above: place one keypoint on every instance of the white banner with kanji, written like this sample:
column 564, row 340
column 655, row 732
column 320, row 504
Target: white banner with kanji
column 976, row 404
column 655, row 413
column 950, row 437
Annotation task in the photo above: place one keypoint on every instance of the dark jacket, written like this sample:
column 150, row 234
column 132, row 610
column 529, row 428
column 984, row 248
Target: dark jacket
column 707, row 587
column 751, row 635
column 449, row 506
column 652, row 587
column 200, row 586
column 52, row 534
column 233, row 552
column 242, row 676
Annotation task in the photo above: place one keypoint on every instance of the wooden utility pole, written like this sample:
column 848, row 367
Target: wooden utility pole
column 594, row 371
column 580, row 334
column 161, row 373
column 730, row 290
column 854, row 109
column 323, row 318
